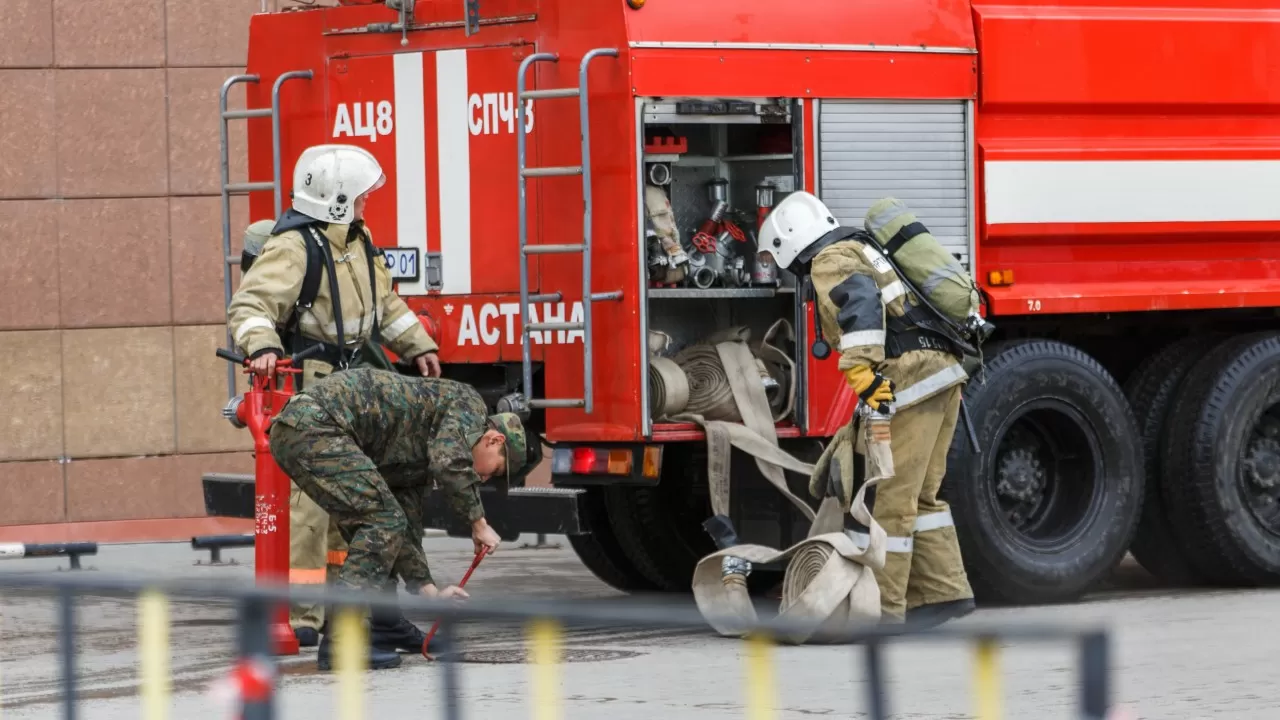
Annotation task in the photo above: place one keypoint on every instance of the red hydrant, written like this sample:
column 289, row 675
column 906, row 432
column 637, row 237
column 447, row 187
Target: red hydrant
column 254, row 410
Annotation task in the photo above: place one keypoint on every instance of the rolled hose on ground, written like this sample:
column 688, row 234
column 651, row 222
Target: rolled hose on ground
column 829, row 587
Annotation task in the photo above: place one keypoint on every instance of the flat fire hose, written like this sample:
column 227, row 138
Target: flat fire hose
column 829, row 584
column 668, row 387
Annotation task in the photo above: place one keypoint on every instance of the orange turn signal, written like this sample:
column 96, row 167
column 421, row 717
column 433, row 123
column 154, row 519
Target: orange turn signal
column 619, row 462
column 1000, row 277
column 652, row 461
column 635, row 4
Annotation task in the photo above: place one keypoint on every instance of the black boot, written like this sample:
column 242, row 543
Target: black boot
column 307, row 637
column 378, row 659
column 391, row 631
column 933, row 615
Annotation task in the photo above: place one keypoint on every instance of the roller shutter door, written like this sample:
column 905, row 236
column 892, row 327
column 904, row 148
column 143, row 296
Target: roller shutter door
column 914, row 151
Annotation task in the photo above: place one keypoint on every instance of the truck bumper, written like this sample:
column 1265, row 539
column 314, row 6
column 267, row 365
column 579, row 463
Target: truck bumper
column 547, row 511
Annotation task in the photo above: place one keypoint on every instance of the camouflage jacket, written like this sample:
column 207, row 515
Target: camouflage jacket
column 856, row 288
column 418, row 431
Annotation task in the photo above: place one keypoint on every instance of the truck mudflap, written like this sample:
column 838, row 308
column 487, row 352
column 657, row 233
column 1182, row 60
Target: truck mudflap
column 547, row 511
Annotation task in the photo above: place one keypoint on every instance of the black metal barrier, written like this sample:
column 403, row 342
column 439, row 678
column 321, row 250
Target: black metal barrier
column 215, row 543
column 73, row 551
column 255, row 667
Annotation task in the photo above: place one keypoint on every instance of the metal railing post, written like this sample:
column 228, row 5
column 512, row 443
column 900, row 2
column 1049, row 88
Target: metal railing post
column 67, row 643
column 452, row 707
column 877, row 708
column 254, row 639
column 1095, row 671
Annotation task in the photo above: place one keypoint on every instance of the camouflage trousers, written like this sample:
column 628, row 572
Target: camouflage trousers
column 379, row 524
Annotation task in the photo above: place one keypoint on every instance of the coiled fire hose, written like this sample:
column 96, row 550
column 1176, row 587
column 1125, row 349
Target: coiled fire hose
column 668, row 388
column 829, row 583
column 710, row 394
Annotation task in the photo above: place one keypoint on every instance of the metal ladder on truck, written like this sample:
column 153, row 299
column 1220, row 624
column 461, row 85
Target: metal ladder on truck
column 229, row 188
column 586, row 402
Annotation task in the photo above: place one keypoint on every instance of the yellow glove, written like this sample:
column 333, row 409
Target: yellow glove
column 872, row 388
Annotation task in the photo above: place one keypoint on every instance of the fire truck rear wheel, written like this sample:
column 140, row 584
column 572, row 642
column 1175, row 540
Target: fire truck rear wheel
column 1050, row 505
column 599, row 550
column 660, row 528
column 1151, row 391
column 1223, row 455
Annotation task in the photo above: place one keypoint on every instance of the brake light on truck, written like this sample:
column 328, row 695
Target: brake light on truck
column 606, row 461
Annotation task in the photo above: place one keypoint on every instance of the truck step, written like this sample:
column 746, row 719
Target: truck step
column 538, row 491
column 558, row 403
column 550, row 94
column 246, row 114
column 532, row 327
column 552, row 171
column 557, row 297
column 249, row 187
column 553, row 249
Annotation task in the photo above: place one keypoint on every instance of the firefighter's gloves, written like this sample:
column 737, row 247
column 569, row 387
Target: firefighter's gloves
column 871, row 387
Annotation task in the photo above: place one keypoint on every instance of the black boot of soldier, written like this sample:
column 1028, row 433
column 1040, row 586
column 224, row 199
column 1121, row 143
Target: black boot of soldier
column 378, row 659
column 928, row 616
column 391, row 631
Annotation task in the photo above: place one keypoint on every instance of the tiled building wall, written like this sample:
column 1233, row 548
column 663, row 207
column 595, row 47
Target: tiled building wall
column 111, row 271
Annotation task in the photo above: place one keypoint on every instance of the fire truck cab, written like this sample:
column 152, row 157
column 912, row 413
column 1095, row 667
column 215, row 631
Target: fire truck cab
column 1108, row 174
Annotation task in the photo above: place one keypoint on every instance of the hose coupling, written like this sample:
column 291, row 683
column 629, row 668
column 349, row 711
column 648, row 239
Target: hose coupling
column 231, row 412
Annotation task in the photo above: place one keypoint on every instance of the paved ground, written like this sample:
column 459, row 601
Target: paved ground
column 1177, row 655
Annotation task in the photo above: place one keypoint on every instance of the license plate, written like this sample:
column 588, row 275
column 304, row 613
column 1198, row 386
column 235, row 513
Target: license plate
column 404, row 263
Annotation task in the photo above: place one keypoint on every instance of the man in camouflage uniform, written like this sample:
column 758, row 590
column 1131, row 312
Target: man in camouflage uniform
column 366, row 445
column 355, row 310
column 862, row 301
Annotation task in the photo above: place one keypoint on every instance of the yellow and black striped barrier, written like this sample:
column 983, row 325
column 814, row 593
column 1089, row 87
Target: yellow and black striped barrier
column 254, row 674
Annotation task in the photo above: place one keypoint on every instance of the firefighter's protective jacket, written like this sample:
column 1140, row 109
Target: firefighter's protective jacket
column 269, row 290
column 857, row 290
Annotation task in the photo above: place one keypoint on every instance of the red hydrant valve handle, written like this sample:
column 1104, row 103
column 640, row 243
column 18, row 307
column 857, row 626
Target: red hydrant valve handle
column 436, row 625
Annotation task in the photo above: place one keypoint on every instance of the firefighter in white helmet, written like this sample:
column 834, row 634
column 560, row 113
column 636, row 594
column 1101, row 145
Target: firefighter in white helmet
column 886, row 359
column 318, row 279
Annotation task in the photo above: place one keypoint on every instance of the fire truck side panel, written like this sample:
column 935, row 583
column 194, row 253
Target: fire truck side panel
column 751, row 72
column 1129, row 157
column 571, row 29
column 916, row 23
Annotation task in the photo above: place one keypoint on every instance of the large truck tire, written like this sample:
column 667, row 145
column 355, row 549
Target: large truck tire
column 1222, row 452
column 1151, row 391
column 1050, row 504
column 600, row 551
column 659, row 528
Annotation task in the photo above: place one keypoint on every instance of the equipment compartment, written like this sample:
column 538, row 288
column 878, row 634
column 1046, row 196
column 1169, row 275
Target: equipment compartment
column 722, row 164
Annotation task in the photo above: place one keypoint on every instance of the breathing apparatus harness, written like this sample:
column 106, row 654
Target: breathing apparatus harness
column 921, row 327
column 320, row 256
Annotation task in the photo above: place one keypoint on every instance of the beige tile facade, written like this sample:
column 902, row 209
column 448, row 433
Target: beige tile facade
column 113, row 284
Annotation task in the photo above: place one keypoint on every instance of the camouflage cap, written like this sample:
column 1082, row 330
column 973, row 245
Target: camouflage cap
column 517, row 448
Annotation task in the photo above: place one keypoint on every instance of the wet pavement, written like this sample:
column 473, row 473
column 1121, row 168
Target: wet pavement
column 1177, row 654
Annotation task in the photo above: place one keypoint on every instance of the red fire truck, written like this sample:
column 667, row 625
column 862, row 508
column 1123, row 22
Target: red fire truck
column 1108, row 170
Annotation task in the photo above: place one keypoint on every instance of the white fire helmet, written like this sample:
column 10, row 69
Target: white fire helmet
column 797, row 222
column 328, row 179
